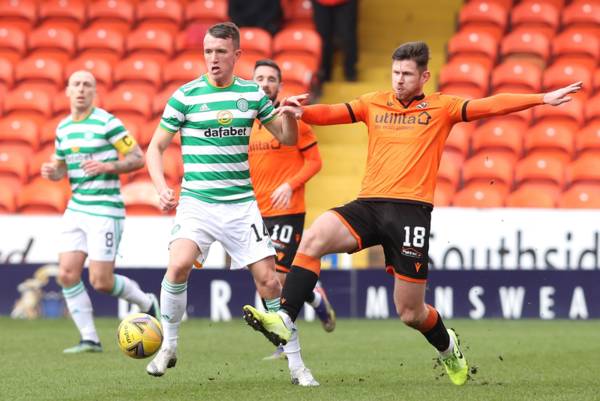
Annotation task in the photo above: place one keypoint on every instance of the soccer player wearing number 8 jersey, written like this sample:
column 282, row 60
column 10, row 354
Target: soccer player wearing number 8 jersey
column 407, row 130
column 87, row 144
column 214, row 116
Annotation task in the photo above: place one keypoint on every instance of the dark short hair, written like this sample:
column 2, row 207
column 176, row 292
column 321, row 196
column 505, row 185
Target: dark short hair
column 266, row 62
column 226, row 30
column 416, row 51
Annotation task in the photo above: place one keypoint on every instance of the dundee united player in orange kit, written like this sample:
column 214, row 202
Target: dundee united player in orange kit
column 278, row 174
column 407, row 130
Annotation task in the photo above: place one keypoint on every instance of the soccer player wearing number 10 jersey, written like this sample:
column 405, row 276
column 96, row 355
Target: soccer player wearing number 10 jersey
column 407, row 130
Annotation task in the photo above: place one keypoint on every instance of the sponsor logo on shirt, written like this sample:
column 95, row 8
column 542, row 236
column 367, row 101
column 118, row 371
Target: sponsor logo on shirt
column 224, row 117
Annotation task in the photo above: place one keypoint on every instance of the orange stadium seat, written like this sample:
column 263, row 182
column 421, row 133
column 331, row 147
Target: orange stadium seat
column 596, row 79
column 592, row 108
column 145, row 132
column 585, row 169
column 485, row 16
column 12, row 43
column 56, row 43
column 40, row 157
column 13, row 167
column 41, row 197
column 8, row 197
column 16, row 130
column 166, row 15
column 298, row 14
column 477, row 46
column 540, row 169
column 7, row 77
column 479, row 195
column 582, row 14
column 491, row 168
column 34, row 102
column 256, row 41
column 562, row 74
column 443, row 194
column 190, row 41
column 244, row 67
column 500, row 134
column 159, row 101
column 299, row 41
column 69, row 14
column 525, row 44
column 541, row 16
column 449, row 172
column 531, row 196
column 127, row 103
column 458, row 142
column 140, row 198
column 554, row 138
column 516, row 75
column 572, row 110
column 295, row 73
column 581, row 196
column 505, row 4
column 48, row 131
column 183, row 69
column 112, row 15
column 579, row 47
column 587, row 141
column 20, row 14
column 173, row 165
column 101, row 69
column 101, row 43
column 207, row 12
column 138, row 73
column 46, row 73
column 469, row 74
column 150, row 43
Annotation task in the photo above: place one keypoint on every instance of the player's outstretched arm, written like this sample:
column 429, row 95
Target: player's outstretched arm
column 284, row 127
column 320, row 114
column 504, row 103
column 154, row 159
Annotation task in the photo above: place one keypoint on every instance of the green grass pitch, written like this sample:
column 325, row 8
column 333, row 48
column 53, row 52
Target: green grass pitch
column 361, row 360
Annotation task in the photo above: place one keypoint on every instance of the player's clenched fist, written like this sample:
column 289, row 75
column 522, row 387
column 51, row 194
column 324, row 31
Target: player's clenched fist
column 167, row 200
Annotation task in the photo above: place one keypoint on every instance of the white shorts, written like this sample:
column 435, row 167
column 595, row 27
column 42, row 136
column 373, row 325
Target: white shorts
column 97, row 236
column 237, row 226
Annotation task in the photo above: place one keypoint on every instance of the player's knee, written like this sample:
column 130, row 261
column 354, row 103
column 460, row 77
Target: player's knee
column 67, row 278
column 178, row 271
column 101, row 283
column 409, row 316
column 311, row 243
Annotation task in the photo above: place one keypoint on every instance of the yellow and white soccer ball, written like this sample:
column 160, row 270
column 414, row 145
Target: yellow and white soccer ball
column 140, row 335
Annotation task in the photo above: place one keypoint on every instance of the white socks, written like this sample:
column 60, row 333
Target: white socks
column 448, row 352
column 80, row 307
column 292, row 348
column 129, row 290
column 318, row 298
column 173, row 302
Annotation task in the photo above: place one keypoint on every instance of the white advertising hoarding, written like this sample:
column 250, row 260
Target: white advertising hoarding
column 461, row 239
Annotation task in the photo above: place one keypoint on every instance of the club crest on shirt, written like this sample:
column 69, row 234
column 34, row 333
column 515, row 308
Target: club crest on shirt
column 242, row 104
column 224, row 117
column 422, row 105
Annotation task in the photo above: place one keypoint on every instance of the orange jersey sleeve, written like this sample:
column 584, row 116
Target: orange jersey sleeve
column 272, row 164
column 502, row 103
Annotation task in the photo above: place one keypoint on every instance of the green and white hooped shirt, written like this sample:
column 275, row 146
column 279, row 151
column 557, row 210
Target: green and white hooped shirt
column 215, row 124
column 92, row 139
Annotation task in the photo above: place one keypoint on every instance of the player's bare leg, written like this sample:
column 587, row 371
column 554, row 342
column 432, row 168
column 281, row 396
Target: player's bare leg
column 78, row 301
column 173, row 302
column 103, row 279
column 409, row 299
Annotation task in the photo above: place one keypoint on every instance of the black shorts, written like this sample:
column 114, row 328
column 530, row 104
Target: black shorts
column 286, row 232
column 402, row 229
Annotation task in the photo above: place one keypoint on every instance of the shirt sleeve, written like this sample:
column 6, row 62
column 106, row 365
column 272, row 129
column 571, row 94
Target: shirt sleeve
column 306, row 136
column 455, row 106
column 173, row 116
column 115, row 130
column 59, row 154
column 266, row 111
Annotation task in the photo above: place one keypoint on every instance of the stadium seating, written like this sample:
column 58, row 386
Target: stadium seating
column 101, row 43
column 183, row 69
column 205, row 12
column 7, row 199
column 45, row 73
column 139, row 74
column 297, row 14
column 477, row 47
column 581, row 197
column 13, row 167
column 115, row 16
column 570, row 111
column 553, row 138
column 464, row 73
column 526, row 44
column 587, row 140
column 295, row 72
column 50, row 42
column 500, row 134
column 13, row 43
column 19, row 14
column 484, row 16
column 140, row 198
column 42, row 156
column 166, row 15
column 300, row 42
column 101, row 69
column 126, row 103
column 532, row 196
column 480, row 195
column 150, row 43
column 542, row 170
column 41, row 196
column 541, row 16
column 578, row 46
column 459, row 141
column 584, row 170
column 489, row 168
column 17, row 130
column 582, row 14
column 513, row 76
column 592, row 108
column 67, row 14
column 256, row 41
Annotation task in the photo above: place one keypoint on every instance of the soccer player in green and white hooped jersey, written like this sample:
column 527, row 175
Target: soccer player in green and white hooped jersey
column 87, row 145
column 214, row 115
